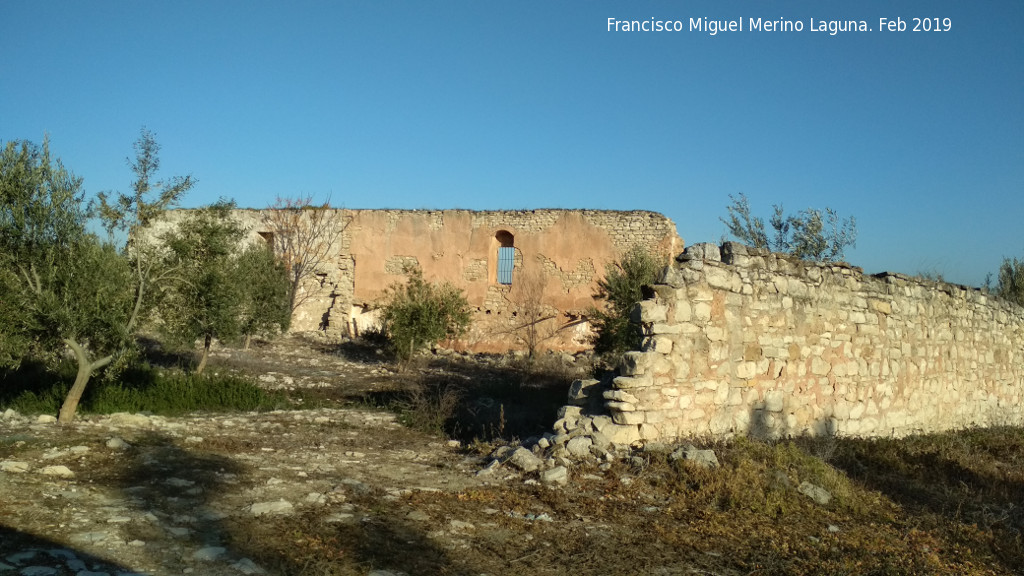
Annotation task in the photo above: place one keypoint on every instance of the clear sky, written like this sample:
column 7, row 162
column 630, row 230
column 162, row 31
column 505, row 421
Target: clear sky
column 536, row 104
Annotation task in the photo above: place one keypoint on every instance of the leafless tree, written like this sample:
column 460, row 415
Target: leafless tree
column 535, row 322
column 303, row 235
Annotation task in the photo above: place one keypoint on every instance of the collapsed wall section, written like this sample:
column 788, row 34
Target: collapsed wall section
column 743, row 341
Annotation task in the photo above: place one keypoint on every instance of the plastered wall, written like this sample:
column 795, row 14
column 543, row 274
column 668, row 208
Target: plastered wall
column 567, row 249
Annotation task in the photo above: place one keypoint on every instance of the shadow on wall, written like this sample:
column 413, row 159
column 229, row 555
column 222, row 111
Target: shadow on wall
column 765, row 423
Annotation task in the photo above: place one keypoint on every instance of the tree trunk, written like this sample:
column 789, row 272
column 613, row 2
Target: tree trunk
column 85, row 370
column 248, row 340
column 206, row 354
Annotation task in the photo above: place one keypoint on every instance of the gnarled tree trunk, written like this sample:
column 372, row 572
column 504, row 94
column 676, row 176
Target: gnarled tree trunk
column 206, row 354
column 85, row 370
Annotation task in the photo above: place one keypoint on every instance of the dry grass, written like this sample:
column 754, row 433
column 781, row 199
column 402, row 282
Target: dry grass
column 664, row 517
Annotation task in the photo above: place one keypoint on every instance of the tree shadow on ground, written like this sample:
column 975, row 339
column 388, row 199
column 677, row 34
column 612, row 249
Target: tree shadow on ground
column 175, row 489
column 180, row 489
column 481, row 398
column 21, row 550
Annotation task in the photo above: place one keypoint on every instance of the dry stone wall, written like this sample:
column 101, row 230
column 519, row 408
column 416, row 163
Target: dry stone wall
column 742, row 341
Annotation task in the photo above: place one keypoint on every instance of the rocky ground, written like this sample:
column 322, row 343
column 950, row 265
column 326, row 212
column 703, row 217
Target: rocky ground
column 138, row 494
column 342, row 488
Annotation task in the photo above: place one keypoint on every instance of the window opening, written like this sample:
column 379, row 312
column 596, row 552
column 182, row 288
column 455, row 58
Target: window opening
column 506, row 257
column 506, row 261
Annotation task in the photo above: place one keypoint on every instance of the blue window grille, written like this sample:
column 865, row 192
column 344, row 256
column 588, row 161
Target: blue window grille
column 506, row 262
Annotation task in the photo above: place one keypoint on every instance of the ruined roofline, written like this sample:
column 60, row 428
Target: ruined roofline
column 470, row 211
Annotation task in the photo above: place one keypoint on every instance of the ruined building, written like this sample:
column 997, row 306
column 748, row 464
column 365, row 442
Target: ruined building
column 506, row 262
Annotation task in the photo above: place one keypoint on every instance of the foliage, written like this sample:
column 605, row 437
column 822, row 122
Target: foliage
column 808, row 235
column 205, row 300
column 621, row 291
column 419, row 314
column 302, row 235
column 1010, row 282
column 266, row 292
column 131, row 214
column 60, row 286
column 164, row 392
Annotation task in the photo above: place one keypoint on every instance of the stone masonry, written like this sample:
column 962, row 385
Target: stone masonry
column 373, row 249
column 744, row 341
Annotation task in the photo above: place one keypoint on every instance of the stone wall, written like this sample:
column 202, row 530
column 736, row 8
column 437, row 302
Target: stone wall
column 741, row 341
column 568, row 248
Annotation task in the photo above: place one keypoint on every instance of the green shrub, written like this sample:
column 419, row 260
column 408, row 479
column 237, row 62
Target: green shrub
column 419, row 314
column 1010, row 283
column 808, row 235
column 620, row 289
column 147, row 389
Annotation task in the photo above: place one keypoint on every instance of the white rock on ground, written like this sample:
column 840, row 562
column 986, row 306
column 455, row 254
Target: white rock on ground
column 559, row 475
column 277, row 507
column 524, row 460
column 58, row 471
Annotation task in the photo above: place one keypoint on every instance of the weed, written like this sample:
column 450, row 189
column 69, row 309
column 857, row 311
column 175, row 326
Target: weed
column 428, row 409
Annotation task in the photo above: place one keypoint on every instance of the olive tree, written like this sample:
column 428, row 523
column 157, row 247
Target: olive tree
column 1010, row 280
column 620, row 290
column 204, row 298
column 61, row 286
column 809, row 235
column 418, row 314
column 266, row 299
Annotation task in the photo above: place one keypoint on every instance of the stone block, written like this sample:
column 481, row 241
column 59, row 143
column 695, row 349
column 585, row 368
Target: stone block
column 774, row 400
column 659, row 344
column 701, row 312
column 746, row 370
column 648, row 311
column 580, row 390
column 569, row 412
column 683, row 312
column 602, row 422
column 628, row 418
column 665, row 328
column 649, row 432
column 620, row 396
column 559, row 475
column 622, row 434
column 635, row 363
column 703, row 251
column 632, row 382
column 820, row 367
column 579, row 447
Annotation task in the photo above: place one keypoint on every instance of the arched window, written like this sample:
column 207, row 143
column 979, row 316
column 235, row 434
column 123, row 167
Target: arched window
column 506, row 256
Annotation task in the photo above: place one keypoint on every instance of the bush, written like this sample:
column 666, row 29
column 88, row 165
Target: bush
column 620, row 289
column 419, row 314
column 1010, row 283
column 808, row 235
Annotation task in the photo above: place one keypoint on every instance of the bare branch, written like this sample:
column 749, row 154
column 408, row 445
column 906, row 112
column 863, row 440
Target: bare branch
column 305, row 237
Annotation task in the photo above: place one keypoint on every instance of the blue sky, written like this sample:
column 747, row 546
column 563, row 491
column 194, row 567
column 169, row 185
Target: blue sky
column 535, row 104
